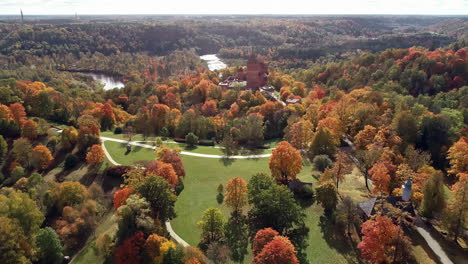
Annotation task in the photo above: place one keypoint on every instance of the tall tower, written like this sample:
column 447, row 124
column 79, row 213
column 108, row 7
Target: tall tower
column 22, row 18
column 406, row 190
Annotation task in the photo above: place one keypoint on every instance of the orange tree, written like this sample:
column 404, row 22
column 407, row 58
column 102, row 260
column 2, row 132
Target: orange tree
column 96, row 155
column 41, row 157
column 285, row 162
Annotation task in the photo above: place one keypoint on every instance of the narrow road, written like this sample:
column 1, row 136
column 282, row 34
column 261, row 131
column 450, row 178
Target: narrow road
column 433, row 244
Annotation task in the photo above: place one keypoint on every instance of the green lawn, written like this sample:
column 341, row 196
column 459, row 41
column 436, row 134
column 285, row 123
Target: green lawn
column 205, row 174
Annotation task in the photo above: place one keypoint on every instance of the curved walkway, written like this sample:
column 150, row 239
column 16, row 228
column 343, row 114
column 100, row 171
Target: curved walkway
column 135, row 143
column 173, row 234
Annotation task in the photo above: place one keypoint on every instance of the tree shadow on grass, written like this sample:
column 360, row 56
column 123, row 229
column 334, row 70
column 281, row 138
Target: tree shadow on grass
column 338, row 240
column 227, row 161
column 89, row 177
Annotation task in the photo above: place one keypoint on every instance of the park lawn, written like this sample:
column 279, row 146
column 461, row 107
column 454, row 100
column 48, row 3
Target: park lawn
column 203, row 177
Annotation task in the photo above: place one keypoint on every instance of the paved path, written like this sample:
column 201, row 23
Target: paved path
column 134, row 143
column 173, row 234
column 433, row 244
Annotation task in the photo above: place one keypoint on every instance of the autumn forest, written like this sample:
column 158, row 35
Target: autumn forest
column 301, row 139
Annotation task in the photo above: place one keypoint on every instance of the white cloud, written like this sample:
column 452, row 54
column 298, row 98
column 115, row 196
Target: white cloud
column 442, row 7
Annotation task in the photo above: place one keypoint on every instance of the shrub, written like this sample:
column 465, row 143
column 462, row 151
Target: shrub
column 305, row 192
column 71, row 161
column 206, row 142
column 220, row 198
column 321, row 162
column 118, row 130
column 191, row 139
column 118, row 171
column 179, row 187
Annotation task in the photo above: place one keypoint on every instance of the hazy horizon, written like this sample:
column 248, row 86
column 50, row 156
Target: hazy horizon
column 239, row 7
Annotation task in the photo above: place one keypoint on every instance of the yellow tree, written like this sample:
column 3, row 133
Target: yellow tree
column 458, row 156
column 365, row 137
column 333, row 125
column 236, row 194
column 285, row 162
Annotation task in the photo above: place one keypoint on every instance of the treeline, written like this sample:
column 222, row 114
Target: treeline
column 305, row 38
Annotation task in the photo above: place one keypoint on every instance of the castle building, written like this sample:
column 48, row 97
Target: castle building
column 257, row 73
column 255, row 77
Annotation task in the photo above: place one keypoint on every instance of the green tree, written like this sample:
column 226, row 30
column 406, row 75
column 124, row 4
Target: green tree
column 19, row 206
column 3, row 148
column 157, row 192
column 406, row 127
column 212, row 225
column 250, row 130
column 134, row 215
column 191, row 139
column 347, row 213
column 434, row 195
column 456, row 216
column 49, row 246
column 321, row 162
column 173, row 256
column 236, row 233
column 327, row 196
column 15, row 246
column 22, row 150
column 16, row 174
column 274, row 206
column 435, row 138
column 322, row 144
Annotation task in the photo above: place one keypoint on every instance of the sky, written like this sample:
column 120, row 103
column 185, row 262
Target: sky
column 416, row 7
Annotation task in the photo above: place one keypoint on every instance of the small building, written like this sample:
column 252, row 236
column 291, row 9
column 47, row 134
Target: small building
column 369, row 207
column 293, row 101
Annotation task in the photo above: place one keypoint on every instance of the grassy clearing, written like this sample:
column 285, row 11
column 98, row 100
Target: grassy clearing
column 204, row 175
column 88, row 255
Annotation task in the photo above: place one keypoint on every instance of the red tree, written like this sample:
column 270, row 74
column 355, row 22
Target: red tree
column 164, row 170
column 263, row 237
column 209, row 108
column 279, row 251
column 172, row 157
column 17, row 112
column 380, row 177
column 129, row 251
column 121, row 196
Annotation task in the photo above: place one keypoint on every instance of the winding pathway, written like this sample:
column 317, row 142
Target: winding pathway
column 171, row 231
column 135, row 143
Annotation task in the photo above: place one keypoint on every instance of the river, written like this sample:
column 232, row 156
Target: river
column 214, row 63
column 108, row 81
